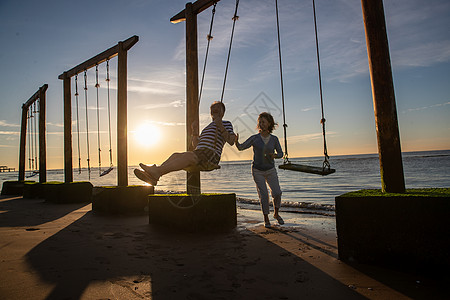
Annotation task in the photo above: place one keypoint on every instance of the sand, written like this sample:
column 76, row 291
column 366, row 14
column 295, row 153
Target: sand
column 54, row 251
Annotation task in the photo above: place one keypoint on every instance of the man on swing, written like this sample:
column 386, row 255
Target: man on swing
column 205, row 156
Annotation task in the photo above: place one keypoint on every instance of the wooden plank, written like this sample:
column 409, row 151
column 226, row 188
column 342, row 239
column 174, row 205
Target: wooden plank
column 122, row 148
column 307, row 169
column 197, row 7
column 42, row 135
column 102, row 57
column 192, row 110
column 68, row 174
column 23, row 141
column 389, row 149
column 35, row 96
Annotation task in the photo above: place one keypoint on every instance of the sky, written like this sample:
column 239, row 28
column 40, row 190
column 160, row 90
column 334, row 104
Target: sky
column 42, row 39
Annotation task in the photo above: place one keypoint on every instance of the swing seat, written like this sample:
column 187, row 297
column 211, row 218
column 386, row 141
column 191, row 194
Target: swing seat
column 106, row 172
column 208, row 167
column 307, row 169
column 33, row 174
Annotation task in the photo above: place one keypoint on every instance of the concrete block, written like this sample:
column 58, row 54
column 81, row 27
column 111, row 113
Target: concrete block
column 193, row 213
column 121, row 200
column 11, row 188
column 73, row 192
column 410, row 230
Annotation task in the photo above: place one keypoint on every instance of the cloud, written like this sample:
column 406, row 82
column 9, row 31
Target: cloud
column 6, row 124
column 168, row 87
column 422, row 55
column 59, row 124
column 309, row 108
column 176, row 103
column 427, row 107
column 10, row 132
column 168, row 123
column 308, row 137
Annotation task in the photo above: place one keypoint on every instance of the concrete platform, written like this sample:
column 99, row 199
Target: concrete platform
column 65, row 251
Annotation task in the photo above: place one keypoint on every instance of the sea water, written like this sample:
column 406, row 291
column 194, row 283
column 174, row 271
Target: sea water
column 301, row 191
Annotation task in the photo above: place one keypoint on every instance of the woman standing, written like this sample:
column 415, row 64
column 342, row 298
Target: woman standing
column 266, row 148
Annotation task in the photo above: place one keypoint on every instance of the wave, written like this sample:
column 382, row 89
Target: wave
column 292, row 207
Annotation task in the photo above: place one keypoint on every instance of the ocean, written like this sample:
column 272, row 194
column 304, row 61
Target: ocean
column 301, row 192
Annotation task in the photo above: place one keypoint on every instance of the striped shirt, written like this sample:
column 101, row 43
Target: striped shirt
column 209, row 140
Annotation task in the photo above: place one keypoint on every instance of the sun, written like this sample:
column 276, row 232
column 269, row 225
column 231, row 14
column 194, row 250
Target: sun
column 147, row 135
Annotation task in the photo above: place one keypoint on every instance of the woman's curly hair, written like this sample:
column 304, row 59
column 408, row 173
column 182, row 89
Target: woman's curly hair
column 269, row 118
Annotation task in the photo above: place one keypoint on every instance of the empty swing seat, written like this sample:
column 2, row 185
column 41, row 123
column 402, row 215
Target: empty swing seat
column 307, row 169
column 106, row 172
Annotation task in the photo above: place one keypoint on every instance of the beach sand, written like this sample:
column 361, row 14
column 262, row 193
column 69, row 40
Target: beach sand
column 51, row 251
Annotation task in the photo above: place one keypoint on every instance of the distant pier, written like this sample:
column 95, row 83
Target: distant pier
column 6, row 169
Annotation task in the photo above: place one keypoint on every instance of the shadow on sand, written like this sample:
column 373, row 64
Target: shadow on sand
column 111, row 256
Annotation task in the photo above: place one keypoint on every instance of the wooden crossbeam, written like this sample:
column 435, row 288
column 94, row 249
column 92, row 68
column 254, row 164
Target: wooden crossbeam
column 197, row 7
column 102, row 57
column 35, row 96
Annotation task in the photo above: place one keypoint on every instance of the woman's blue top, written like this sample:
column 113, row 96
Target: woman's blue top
column 261, row 159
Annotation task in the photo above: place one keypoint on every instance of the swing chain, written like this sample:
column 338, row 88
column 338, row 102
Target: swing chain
column 235, row 18
column 87, row 124
column 97, row 85
column 78, row 123
column 209, row 37
column 109, row 113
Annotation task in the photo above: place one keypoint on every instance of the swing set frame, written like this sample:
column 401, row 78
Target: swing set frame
column 41, row 96
column 120, row 50
column 392, row 177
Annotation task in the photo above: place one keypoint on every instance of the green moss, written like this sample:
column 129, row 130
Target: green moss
column 184, row 195
column 30, row 182
column 115, row 187
column 53, row 182
column 61, row 182
column 426, row 192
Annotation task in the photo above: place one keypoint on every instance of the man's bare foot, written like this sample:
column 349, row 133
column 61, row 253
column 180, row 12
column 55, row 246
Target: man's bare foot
column 150, row 170
column 144, row 176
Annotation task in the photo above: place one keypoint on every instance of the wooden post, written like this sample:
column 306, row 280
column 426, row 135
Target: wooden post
column 22, row 147
column 42, row 143
column 122, row 159
column 192, row 114
column 119, row 50
column 68, row 174
column 189, row 14
column 391, row 167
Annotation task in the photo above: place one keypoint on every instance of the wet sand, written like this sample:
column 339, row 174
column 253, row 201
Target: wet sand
column 54, row 251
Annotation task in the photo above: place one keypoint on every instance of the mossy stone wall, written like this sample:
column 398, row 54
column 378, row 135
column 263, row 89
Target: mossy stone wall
column 408, row 230
column 192, row 213
column 121, row 200
column 73, row 192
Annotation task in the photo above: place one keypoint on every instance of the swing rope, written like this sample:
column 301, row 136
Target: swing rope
column 235, row 18
column 78, row 124
column 97, row 86
column 325, row 169
column 209, row 37
column 326, row 163
column 109, row 125
column 212, row 166
column 109, row 113
column 35, row 138
column 29, row 129
column 87, row 122
column 286, row 157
